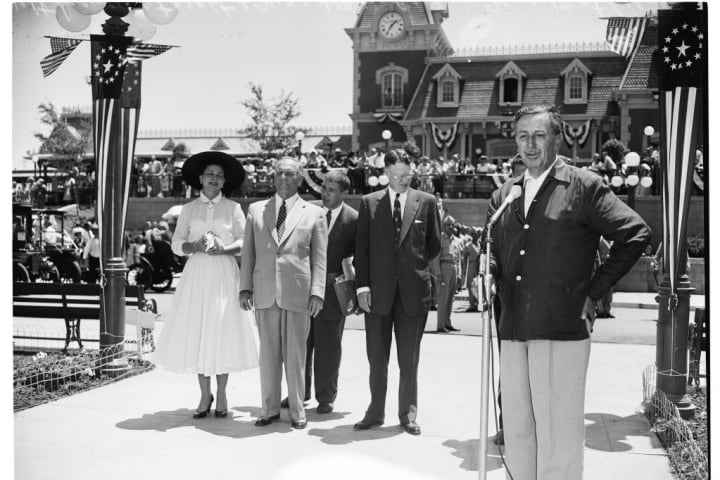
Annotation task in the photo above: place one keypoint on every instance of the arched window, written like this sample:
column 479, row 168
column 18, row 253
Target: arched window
column 575, row 87
column 448, row 91
column 511, row 84
column 511, row 90
column 448, row 86
column 392, row 90
column 576, row 82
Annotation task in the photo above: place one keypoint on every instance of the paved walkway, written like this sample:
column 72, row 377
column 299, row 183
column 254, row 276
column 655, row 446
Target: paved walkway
column 142, row 427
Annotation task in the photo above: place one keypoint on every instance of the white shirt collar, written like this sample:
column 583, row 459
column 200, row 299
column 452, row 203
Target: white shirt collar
column 213, row 202
column 541, row 178
column 393, row 193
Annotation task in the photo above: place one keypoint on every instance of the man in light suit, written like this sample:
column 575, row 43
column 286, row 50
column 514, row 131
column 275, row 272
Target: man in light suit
column 326, row 331
column 398, row 232
column 282, row 276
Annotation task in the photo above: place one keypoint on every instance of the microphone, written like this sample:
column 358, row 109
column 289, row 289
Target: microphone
column 514, row 194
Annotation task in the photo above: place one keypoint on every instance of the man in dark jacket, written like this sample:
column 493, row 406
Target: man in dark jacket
column 398, row 232
column 543, row 253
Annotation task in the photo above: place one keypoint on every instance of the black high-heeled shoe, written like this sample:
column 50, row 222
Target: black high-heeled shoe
column 204, row 413
column 221, row 413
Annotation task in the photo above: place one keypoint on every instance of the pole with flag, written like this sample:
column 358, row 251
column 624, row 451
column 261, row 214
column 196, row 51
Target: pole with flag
column 682, row 60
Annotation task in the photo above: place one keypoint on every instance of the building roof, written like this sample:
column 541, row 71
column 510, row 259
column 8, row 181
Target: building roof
column 642, row 71
column 418, row 13
column 480, row 90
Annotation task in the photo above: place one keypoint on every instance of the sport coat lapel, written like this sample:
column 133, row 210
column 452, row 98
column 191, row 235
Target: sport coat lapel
column 270, row 219
column 339, row 224
column 518, row 205
column 293, row 217
column 412, row 204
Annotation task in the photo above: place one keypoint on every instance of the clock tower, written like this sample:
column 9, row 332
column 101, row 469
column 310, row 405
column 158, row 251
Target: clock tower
column 391, row 42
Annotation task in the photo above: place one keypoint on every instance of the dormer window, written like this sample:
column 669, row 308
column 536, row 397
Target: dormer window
column 576, row 82
column 448, row 86
column 392, row 80
column 511, row 83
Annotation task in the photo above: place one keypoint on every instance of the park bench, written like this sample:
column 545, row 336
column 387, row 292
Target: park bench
column 73, row 302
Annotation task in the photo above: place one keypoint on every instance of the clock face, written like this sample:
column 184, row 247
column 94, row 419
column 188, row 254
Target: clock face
column 391, row 25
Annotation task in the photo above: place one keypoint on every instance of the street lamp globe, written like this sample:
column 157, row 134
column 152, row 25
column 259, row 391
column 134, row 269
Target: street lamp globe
column 299, row 136
column 632, row 159
column 646, row 182
column 632, row 180
column 386, row 135
column 649, row 131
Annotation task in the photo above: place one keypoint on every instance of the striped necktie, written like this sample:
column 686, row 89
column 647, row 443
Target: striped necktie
column 397, row 217
column 329, row 218
column 281, row 220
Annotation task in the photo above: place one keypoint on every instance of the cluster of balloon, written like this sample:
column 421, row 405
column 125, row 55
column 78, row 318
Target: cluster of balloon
column 75, row 17
column 373, row 181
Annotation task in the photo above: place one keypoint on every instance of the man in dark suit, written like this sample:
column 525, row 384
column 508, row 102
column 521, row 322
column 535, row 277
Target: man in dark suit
column 542, row 255
column 326, row 330
column 398, row 232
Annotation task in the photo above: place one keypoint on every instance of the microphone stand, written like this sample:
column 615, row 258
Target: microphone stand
column 485, row 295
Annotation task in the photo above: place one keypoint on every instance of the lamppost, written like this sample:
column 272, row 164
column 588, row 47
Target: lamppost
column 634, row 175
column 649, row 131
column 115, row 82
column 387, row 135
column 299, row 136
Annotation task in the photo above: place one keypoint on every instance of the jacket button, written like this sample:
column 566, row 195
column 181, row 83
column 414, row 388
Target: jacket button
column 526, row 226
column 518, row 278
column 522, row 252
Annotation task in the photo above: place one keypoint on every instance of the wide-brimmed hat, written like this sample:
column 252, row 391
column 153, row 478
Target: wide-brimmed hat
column 195, row 166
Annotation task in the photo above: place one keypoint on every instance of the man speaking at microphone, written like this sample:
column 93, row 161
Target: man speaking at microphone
column 542, row 257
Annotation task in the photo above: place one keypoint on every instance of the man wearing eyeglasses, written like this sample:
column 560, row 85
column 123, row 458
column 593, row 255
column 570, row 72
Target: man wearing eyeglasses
column 398, row 232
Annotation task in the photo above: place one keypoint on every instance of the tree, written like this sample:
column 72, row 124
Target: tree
column 66, row 142
column 616, row 149
column 270, row 119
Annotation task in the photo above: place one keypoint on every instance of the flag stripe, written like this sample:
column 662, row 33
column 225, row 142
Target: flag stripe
column 624, row 34
column 51, row 62
column 143, row 51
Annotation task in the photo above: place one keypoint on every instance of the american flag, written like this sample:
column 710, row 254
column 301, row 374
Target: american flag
column 143, row 51
column 624, row 34
column 682, row 40
column 115, row 115
column 61, row 49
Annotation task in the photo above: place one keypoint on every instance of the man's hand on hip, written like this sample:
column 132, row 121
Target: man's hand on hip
column 365, row 301
column 315, row 305
column 588, row 313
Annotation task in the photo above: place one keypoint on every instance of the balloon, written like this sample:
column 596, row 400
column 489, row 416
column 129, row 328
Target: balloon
column 70, row 19
column 632, row 180
column 88, row 8
column 140, row 27
column 649, row 131
column 632, row 159
column 616, row 181
column 383, row 180
column 160, row 13
column 373, row 181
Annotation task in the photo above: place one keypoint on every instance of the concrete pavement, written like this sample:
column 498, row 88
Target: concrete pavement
column 142, row 427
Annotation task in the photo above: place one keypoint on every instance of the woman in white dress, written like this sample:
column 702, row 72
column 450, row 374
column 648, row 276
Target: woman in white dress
column 206, row 331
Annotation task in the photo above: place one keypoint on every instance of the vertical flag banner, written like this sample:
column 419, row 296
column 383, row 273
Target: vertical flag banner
column 682, row 40
column 130, row 116
column 61, row 50
column 112, row 138
column 623, row 34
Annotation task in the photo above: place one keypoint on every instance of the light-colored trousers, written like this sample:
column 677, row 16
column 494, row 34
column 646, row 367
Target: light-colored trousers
column 543, row 405
column 283, row 335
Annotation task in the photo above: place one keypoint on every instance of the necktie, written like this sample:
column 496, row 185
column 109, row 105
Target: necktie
column 281, row 220
column 329, row 217
column 397, row 217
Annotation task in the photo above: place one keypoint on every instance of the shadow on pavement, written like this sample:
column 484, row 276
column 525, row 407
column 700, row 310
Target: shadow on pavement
column 240, row 425
column 609, row 433
column 467, row 450
column 344, row 434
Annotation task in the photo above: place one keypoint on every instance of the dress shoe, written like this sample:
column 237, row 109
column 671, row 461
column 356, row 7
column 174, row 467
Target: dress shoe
column 499, row 438
column 204, row 413
column 221, row 413
column 442, row 330
column 452, row 329
column 412, row 428
column 265, row 421
column 324, row 407
column 298, row 424
column 366, row 424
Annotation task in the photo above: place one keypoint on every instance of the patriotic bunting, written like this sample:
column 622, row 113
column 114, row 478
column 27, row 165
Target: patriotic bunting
column 624, row 34
column 444, row 137
column 579, row 134
column 61, row 50
column 392, row 116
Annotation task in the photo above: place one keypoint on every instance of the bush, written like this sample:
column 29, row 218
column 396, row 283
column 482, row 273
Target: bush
column 696, row 246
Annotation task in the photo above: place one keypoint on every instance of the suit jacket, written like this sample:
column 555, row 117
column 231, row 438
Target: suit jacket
column 290, row 269
column 341, row 244
column 543, row 262
column 391, row 269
